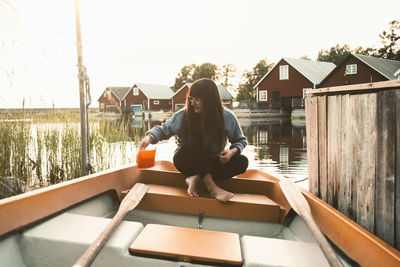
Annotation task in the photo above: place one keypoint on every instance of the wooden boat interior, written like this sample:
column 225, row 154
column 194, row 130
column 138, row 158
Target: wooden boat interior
column 53, row 226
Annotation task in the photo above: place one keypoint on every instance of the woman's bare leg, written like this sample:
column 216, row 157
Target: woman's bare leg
column 216, row 191
column 194, row 185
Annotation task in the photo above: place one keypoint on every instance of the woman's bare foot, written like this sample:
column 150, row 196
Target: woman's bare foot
column 221, row 194
column 216, row 191
column 194, row 184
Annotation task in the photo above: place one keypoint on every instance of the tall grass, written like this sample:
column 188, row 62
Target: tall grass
column 38, row 155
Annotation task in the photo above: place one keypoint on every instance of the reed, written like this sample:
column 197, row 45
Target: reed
column 34, row 155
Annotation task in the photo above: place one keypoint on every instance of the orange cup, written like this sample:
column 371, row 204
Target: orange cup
column 145, row 158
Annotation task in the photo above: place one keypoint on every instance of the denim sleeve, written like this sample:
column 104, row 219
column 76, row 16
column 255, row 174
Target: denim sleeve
column 167, row 129
column 234, row 132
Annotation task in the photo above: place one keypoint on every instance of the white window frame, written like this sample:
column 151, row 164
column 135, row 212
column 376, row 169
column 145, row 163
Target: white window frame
column 124, row 102
column 263, row 95
column 284, row 72
column 101, row 106
column 156, row 102
column 135, row 91
column 351, row 69
column 263, row 135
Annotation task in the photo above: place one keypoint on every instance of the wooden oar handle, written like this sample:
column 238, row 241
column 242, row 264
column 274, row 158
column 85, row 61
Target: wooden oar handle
column 128, row 204
column 326, row 248
column 301, row 207
column 91, row 253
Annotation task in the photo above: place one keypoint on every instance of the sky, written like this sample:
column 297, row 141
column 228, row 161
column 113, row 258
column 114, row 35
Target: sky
column 149, row 41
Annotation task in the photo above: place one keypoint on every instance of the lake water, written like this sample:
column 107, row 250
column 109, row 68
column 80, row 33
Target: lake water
column 275, row 145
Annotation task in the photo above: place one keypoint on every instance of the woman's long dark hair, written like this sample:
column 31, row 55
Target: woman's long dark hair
column 212, row 114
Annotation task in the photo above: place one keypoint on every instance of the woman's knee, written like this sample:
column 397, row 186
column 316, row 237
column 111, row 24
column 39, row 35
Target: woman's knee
column 242, row 163
column 183, row 161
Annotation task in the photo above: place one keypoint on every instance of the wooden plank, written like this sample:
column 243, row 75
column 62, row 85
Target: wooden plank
column 312, row 144
column 345, row 190
column 241, row 206
column 187, row 244
column 385, row 198
column 366, row 153
column 397, row 161
column 354, row 163
column 322, row 147
column 355, row 88
column 334, row 126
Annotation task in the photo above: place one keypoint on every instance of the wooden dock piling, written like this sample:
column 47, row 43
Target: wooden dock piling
column 353, row 150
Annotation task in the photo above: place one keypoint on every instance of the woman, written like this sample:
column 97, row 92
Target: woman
column 203, row 128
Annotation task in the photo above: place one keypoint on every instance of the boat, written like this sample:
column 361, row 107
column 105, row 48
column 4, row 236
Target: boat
column 53, row 226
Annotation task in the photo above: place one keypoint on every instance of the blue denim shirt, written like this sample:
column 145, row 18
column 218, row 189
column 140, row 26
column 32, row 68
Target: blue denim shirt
column 174, row 124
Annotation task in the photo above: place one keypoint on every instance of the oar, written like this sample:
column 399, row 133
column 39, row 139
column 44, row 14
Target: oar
column 301, row 207
column 127, row 205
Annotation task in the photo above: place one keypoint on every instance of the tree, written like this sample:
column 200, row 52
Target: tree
column 193, row 72
column 246, row 90
column 227, row 75
column 369, row 51
column 184, row 76
column 205, row 70
column 390, row 40
column 335, row 55
column 305, row 57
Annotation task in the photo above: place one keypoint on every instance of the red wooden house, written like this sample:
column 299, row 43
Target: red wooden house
column 284, row 85
column 149, row 96
column 356, row 69
column 179, row 98
column 141, row 96
column 113, row 99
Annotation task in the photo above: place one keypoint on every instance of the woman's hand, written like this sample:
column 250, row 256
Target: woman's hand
column 147, row 140
column 226, row 155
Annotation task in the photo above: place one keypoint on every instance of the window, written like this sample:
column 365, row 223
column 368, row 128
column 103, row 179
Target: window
column 284, row 72
column 101, row 106
column 135, row 91
column 156, row 102
column 351, row 69
column 263, row 136
column 107, row 93
column 263, row 96
column 125, row 102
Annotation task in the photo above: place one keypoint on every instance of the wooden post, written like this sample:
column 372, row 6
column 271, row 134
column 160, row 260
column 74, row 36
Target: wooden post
column 81, row 71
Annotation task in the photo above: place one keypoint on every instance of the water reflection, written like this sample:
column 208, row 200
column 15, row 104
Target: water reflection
column 277, row 145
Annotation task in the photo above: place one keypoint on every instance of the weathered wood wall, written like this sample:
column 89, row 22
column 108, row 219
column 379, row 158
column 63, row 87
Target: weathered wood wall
column 353, row 150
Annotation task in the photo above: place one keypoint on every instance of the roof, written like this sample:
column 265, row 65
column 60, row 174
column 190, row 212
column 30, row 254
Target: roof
column 225, row 94
column 397, row 73
column 314, row 71
column 155, row 91
column 386, row 67
column 119, row 92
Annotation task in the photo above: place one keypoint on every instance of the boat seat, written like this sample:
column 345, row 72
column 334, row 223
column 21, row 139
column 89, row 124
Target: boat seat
column 241, row 206
column 65, row 237
column 261, row 251
column 188, row 244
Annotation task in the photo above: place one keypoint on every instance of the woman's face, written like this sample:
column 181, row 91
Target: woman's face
column 197, row 104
